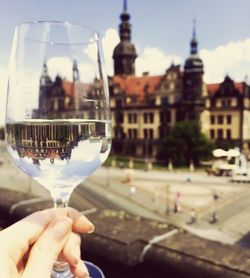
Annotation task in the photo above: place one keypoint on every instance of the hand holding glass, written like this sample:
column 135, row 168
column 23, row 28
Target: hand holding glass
column 58, row 117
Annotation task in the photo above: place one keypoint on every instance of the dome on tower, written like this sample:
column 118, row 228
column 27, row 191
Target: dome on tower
column 124, row 54
column 125, row 48
column 193, row 62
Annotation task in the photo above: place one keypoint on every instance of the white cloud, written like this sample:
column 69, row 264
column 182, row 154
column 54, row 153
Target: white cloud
column 3, row 93
column 109, row 41
column 155, row 61
column 232, row 59
column 150, row 59
column 61, row 66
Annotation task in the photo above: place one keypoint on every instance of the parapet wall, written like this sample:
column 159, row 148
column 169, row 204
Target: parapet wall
column 129, row 246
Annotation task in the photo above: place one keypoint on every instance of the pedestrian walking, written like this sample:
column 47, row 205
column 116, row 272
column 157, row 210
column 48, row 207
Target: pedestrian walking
column 193, row 216
column 214, row 218
column 177, row 205
column 214, row 215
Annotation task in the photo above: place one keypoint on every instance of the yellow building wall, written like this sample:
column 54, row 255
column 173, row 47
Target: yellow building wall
column 234, row 126
column 246, row 125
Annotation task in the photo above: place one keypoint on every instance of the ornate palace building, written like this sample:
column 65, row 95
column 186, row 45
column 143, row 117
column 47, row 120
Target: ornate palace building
column 143, row 108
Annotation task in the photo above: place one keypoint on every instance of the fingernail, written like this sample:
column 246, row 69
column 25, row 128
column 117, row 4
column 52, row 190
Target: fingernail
column 88, row 225
column 91, row 229
column 81, row 270
column 61, row 227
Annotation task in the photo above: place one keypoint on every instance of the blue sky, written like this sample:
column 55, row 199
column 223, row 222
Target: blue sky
column 160, row 23
column 161, row 31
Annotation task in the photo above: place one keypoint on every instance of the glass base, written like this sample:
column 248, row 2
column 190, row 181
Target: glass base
column 94, row 272
column 63, row 274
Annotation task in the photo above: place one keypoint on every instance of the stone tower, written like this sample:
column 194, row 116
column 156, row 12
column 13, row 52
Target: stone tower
column 193, row 102
column 124, row 54
column 75, row 72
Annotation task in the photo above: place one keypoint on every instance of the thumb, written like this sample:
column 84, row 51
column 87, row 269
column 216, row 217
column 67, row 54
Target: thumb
column 46, row 250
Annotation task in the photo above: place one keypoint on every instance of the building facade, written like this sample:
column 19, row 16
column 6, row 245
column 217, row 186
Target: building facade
column 144, row 108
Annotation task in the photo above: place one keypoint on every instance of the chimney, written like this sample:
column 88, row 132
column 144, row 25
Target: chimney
column 145, row 73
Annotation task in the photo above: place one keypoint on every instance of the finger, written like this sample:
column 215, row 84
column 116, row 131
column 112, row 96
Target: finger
column 72, row 254
column 81, row 224
column 80, row 270
column 46, row 250
column 24, row 233
column 72, row 249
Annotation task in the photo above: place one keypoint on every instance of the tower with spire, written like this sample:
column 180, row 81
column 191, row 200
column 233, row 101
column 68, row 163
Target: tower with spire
column 75, row 72
column 124, row 54
column 193, row 81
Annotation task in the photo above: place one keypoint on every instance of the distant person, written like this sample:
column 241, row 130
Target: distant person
column 177, row 205
column 214, row 217
column 30, row 247
column 193, row 216
column 128, row 173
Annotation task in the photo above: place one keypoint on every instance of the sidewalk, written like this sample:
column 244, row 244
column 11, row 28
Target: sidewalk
column 155, row 193
column 158, row 190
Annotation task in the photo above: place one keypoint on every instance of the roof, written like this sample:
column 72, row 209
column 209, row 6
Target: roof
column 133, row 85
column 212, row 88
column 69, row 88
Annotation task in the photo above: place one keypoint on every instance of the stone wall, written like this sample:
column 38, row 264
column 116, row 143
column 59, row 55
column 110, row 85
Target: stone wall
column 120, row 240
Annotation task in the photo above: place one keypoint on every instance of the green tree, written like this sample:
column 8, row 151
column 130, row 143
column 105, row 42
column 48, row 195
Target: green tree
column 185, row 142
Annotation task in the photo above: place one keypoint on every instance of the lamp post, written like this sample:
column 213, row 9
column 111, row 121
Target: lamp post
column 167, row 199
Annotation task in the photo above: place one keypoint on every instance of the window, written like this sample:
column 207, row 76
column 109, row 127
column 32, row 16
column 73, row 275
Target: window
column 132, row 133
column 151, row 133
column 148, row 117
column 212, row 133
column 177, row 99
column 220, row 133
column 172, row 86
column 228, row 134
column 118, row 103
column 132, row 118
column 164, row 101
column 151, row 117
column 119, row 117
column 168, row 117
column 226, row 103
column 212, row 120
column 220, row 119
column 148, row 133
column 229, row 119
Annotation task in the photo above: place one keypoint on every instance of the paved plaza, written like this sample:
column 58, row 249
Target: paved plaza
column 186, row 199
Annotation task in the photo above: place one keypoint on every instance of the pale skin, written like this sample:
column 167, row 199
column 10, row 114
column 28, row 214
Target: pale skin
column 30, row 247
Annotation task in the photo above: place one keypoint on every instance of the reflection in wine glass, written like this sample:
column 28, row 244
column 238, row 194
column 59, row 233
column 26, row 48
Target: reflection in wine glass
column 58, row 122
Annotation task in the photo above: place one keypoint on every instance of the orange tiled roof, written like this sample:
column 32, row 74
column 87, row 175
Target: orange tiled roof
column 69, row 88
column 133, row 85
column 212, row 88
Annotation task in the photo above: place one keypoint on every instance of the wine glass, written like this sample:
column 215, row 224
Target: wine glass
column 58, row 123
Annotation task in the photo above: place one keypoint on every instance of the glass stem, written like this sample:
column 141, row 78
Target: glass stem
column 61, row 200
